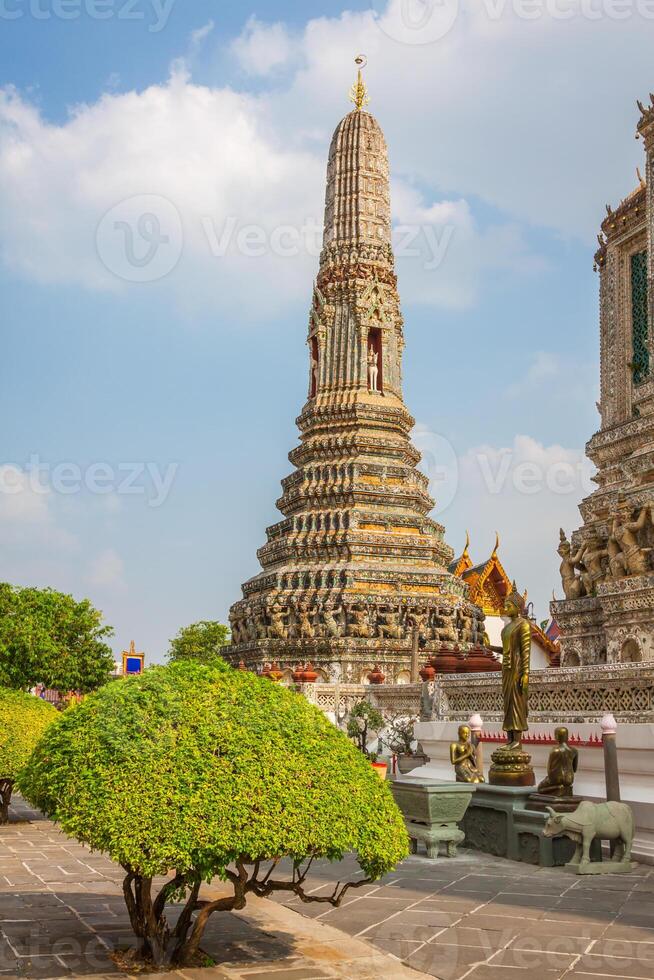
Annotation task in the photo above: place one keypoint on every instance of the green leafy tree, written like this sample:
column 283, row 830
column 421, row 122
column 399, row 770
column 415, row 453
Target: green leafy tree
column 210, row 771
column 400, row 735
column 47, row 637
column 362, row 721
column 201, row 642
column 24, row 719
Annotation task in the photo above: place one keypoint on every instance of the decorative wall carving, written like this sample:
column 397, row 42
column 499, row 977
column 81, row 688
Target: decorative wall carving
column 608, row 567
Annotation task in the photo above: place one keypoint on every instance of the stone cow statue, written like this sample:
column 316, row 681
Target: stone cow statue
column 605, row 821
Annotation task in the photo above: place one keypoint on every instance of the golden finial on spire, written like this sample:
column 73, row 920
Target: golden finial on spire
column 359, row 92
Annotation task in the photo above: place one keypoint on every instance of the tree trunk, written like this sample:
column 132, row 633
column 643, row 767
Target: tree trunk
column 6, row 786
column 187, row 949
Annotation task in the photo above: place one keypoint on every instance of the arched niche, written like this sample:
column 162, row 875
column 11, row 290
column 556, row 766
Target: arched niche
column 631, row 652
column 314, row 368
column 374, row 360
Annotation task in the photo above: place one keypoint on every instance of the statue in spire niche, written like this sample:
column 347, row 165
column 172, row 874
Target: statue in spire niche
column 314, row 376
column 373, row 368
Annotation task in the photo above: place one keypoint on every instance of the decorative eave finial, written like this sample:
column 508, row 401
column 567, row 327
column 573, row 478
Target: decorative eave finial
column 359, row 91
column 497, row 546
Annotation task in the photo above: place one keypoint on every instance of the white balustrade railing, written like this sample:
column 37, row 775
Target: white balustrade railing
column 571, row 694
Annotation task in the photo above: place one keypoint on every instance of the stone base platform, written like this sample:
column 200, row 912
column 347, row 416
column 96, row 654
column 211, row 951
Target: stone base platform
column 498, row 822
column 596, row 867
column 560, row 804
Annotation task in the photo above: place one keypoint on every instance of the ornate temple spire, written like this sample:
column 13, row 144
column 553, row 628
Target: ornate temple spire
column 357, row 202
column 356, row 562
column 355, row 330
column 359, row 91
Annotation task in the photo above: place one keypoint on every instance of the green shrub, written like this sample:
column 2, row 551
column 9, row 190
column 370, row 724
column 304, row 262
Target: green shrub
column 24, row 719
column 201, row 642
column 210, row 771
column 362, row 721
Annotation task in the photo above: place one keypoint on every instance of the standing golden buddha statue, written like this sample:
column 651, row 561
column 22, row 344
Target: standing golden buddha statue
column 511, row 766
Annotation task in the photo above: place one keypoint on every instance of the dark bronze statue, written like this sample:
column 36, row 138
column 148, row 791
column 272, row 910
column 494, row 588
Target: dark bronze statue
column 561, row 767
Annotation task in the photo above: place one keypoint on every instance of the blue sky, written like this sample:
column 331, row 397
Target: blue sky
column 176, row 397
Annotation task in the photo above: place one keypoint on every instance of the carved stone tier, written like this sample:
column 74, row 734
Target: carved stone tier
column 602, row 625
column 356, row 566
column 608, row 614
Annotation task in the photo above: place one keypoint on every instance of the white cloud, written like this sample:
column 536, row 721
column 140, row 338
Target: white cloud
column 262, row 48
column 241, row 175
column 444, row 257
column 199, row 36
column 207, row 155
column 510, row 110
column 106, row 570
column 20, row 501
column 526, row 491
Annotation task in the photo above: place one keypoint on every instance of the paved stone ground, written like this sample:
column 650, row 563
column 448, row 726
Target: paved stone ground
column 62, row 913
column 486, row 918
column 483, row 918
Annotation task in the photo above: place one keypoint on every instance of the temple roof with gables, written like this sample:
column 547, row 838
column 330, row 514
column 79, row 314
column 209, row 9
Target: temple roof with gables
column 489, row 585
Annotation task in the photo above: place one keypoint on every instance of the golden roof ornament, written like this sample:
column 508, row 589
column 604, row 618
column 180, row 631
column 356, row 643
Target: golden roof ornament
column 359, row 91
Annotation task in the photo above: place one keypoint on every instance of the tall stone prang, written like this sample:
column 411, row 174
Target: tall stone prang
column 608, row 567
column 356, row 569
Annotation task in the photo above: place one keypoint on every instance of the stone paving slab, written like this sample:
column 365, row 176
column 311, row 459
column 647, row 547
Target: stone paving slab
column 498, row 920
column 471, row 918
column 62, row 913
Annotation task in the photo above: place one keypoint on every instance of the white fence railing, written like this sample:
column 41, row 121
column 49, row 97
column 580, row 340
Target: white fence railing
column 572, row 694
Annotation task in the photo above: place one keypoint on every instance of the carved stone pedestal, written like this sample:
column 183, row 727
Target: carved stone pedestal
column 432, row 837
column 432, row 811
column 498, row 822
column 541, row 802
column 511, row 768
